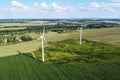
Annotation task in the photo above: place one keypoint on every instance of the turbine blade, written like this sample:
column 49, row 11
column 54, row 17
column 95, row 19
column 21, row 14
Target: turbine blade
column 39, row 38
column 45, row 40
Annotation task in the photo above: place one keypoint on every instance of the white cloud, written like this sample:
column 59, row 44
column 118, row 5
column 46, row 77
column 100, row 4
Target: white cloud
column 13, row 9
column 44, row 5
column 35, row 4
column 109, row 9
column 59, row 8
column 95, row 5
column 54, row 5
column 18, row 4
column 114, row 5
column 115, row 0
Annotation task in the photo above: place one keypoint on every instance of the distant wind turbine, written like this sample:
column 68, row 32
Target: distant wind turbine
column 81, row 35
column 43, row 39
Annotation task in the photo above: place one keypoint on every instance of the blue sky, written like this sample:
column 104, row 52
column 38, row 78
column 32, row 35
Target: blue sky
column 59, row 9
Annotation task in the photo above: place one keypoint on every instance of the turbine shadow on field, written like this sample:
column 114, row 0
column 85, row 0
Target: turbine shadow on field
column 19, row 52
column 27, row 55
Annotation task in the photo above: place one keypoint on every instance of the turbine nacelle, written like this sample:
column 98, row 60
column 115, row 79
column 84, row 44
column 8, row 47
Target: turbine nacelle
column 41, row 37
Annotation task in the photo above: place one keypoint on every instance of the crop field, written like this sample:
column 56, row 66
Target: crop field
column 65, row 59
column 19, row 28
column 25, row 67
column 31, row 23
column 59, row 40
column 24, row 47
column 105, row 35
column 118, row 22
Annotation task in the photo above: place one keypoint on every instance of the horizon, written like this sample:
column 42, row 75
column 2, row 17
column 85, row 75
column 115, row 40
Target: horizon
column 60, row 18
column 60, row 9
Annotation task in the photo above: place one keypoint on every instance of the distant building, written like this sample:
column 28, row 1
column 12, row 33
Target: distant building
column 5, row 40
column 18, row 39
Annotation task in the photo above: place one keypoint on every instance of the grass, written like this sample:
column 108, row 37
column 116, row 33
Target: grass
column 70, row 51
column 25, row 67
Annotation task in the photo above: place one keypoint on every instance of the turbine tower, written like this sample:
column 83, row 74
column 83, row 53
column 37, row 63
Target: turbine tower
column 43, row 39
column 81, row 35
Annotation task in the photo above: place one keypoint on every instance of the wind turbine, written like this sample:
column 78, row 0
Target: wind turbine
column 43, row 39
column 81, row 35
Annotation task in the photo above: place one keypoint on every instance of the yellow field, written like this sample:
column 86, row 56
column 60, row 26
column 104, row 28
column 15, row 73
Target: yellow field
column 23, row 47
column 13, row 28
column 31, row 23
column 118, row 22
column 106, row 35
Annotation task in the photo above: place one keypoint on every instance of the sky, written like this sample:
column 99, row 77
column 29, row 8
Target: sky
column 45, row 9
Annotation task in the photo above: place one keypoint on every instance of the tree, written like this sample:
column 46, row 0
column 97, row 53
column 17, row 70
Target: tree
column 26, row 38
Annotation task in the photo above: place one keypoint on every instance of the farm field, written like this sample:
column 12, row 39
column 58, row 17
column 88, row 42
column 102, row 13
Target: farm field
column 25, row 67
column 65, row 59
column 13, row 28
column 118, row 22
column 22, row 47
column 29, row 23
column 60, row 40
column 106, row 35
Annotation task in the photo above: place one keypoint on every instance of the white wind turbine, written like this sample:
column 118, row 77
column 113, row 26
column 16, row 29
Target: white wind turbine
column 43, row 39
column 81, row 35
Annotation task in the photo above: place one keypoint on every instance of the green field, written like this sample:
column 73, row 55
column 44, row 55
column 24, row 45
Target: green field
column 70, row 51
column 98, row 58
column 25, row 67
